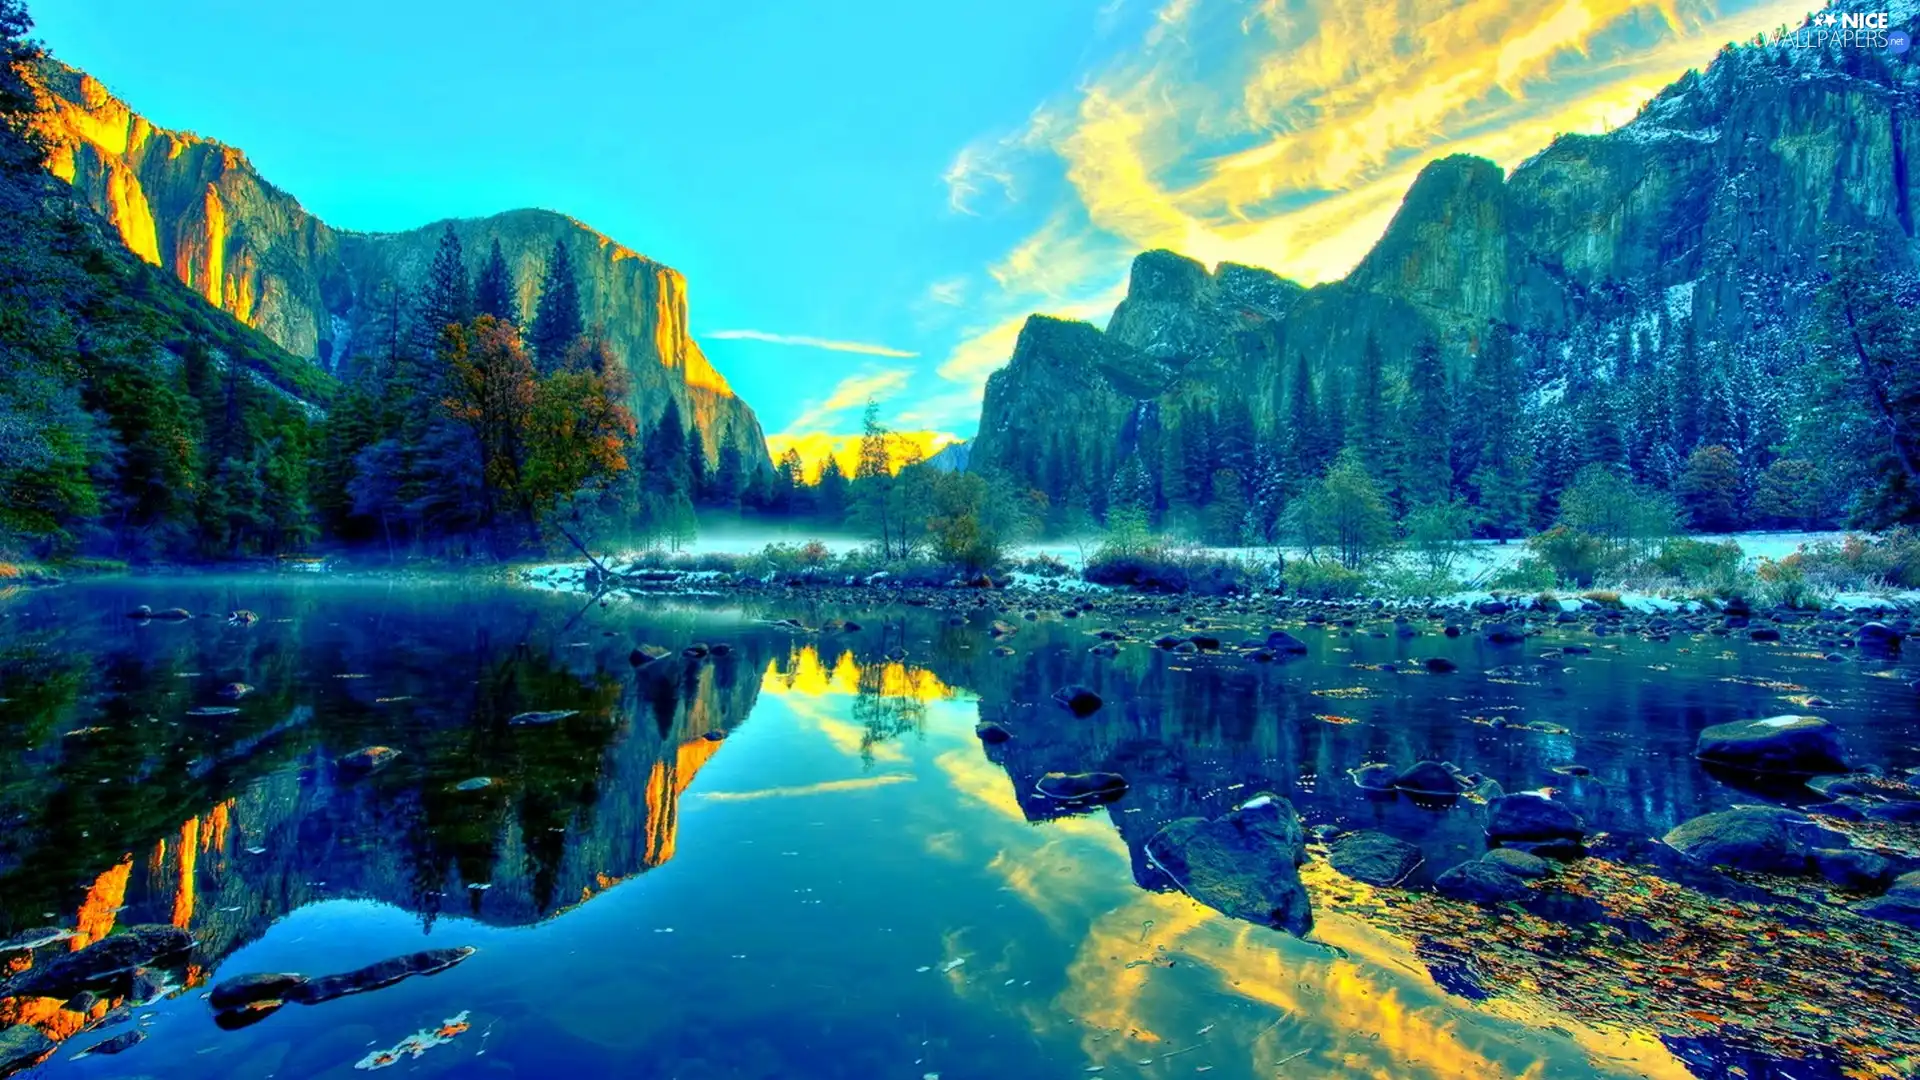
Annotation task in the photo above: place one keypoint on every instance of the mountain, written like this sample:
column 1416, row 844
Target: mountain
column 951, row 457
column 200, row 209
column 1684, row 245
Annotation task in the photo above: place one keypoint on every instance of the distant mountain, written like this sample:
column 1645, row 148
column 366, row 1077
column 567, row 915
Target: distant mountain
column 198, row 208
column 951, row 457
column 1657, row 281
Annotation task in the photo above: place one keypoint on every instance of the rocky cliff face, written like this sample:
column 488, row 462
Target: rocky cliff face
column 1711, row 207
column 200, row 210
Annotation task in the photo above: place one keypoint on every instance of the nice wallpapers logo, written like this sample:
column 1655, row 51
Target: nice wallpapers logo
column 1848, row 30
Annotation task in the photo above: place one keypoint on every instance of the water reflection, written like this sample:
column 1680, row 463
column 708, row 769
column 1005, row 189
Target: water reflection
column 855, row 840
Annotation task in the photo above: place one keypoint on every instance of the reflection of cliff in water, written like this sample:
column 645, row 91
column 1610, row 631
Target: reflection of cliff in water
column 477, row 816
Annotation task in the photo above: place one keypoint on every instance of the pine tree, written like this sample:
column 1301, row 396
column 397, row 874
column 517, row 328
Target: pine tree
column 1367, row 427
column 1709, row 488
column 557, row 319
column 445, row 298
column 1426, row 470
column 832, row 492
column 1303, row 445
column 697, row 476
column 493, row 291
column 664, row 458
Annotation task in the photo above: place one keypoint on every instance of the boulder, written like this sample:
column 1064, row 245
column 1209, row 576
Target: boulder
column 1440, row 665
column 1081, row 787
column 367, row 759
column 141, row 612
column 991, row 733
column 245, row 990
column 643, row 655
column 376, row 976
column 1285, row 644
column 22, row 1046
column 1791, row 745
column 1900, row 904
column 1481, row 882
column 1877, row 640
column 126, row 1040
column 174, row 614
column 1746, row 839
column 1375, row 776
column 1244, row 863
column 1429, row 778
column 1763, row 633
column 1078, row 700
column 103, row 961
column 1501, row 633
column 1852, row 869
column 1522, row 864
column 1532, row 819
column 1374, row 857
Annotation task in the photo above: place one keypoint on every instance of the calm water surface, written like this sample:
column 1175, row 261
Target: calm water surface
column 796, row 859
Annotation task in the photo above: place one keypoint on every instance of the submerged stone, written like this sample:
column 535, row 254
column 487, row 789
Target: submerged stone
column 1429, row 778
column 368, row 758
column 1530, row 818
column 1519, row 863
column 1794, row 745
column 22, row 1046
column 1746, row 839
column 376, row 976
column 1078, row 700
column 244, row 990
column 1374, row 857
column 1081, row 787
column 549, row 716
column 1901, row 904
column 113, row 956
column 1482, row 882
column 1244, row 863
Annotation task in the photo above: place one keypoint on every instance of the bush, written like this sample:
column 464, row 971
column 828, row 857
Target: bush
column 1172, row 572
column 1323, row 579
column 1698, row 562
column 1529, row 574
column 1863, row 562
column 1783, row 583
column 1574, row 556
column 1045, row 566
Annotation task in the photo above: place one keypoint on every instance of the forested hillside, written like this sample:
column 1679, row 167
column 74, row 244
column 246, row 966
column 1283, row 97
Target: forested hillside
column 1715, row 303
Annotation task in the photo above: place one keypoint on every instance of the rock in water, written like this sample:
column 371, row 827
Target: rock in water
column 1504, row 633
column 1791, row 745
column 1901, row 904
column 1374, row 857
column 991, row 733
column 1440, row 665
column 643, row 655
column 1081, row 786
column 1532, row 819
column 1429, row 778
column 126, row 1040
column 551, row 716
column 376, row 976
column 368, row 758
column 1244, row 863
column 1078, row 700
column 1482, row 882
column 141, row 612
column 1750, row 839
column 234, row 691
column 1877, row 640
column 174, row 614
column 22, row 1046
column 112, row 956
column 245, row 990
column 1523, row 864
column 1851, row 869
column 1375, row 776
column 1285, row 644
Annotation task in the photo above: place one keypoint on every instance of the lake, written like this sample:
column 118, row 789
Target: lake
column 791, row 855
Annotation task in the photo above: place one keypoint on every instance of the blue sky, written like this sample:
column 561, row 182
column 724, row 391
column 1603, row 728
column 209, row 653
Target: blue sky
column 908, row 179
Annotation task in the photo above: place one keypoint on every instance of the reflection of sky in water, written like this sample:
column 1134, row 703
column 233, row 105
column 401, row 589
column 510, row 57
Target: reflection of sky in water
column 844, row 887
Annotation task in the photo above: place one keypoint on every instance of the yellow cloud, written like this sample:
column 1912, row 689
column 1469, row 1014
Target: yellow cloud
column 1287, row 138
column 815, row 446
column 850, row 392
column 808, row 342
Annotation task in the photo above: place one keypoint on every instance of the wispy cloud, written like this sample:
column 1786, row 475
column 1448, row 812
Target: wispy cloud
column 850, row 392
column 803, row 341
column 1286, row 137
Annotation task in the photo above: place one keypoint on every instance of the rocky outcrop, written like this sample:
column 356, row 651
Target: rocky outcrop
column 1706, row 214
column 199, row 209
